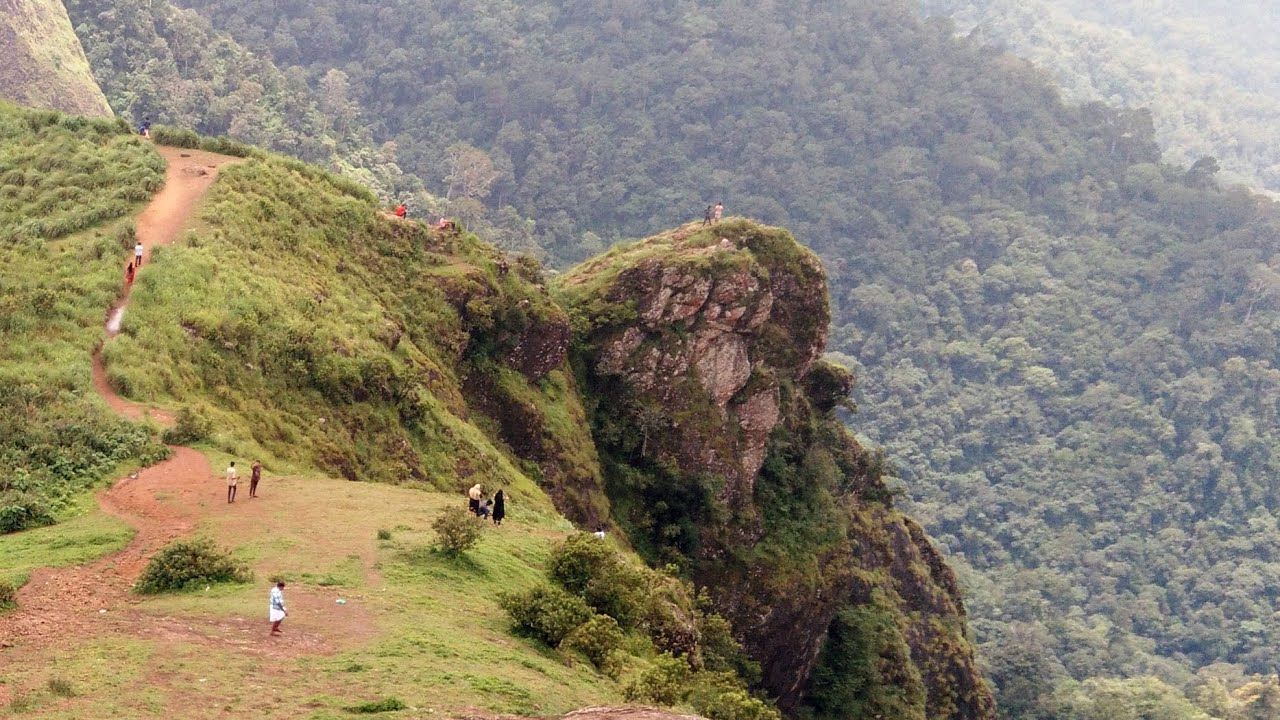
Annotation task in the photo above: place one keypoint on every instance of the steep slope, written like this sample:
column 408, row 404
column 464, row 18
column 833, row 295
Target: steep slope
column 713, row 413
column 41, row 62
column 1065, row 345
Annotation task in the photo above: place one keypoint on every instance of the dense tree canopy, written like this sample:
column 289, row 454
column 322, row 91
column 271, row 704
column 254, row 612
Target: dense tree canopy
column 1065, row 344
column 1210, row 71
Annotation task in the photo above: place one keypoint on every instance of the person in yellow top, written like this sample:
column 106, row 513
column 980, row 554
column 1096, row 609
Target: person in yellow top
column 232, row 478
column 474, row 496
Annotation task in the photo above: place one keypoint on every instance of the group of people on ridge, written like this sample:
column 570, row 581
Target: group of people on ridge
column 487, row 508
column 712, row 214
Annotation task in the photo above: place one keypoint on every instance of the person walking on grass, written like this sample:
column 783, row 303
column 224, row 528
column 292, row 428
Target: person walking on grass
column 278, row 613
column 232, row 478
column 255, row 474
column 137, row 255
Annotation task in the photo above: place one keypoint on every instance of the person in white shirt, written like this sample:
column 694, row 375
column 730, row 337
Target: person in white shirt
column 232, row 478
column 277, row 613
column 137, row 255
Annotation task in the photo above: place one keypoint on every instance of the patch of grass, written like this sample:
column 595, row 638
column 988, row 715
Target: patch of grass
column 85, row 535
column 384, row 534
column 61, row 687
column 390, row 704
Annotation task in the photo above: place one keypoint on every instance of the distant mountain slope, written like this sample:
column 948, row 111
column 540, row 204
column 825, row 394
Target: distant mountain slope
column 41, row 61
column 1208, row 71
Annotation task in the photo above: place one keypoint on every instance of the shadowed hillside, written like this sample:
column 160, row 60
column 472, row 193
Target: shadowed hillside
column 41, row 62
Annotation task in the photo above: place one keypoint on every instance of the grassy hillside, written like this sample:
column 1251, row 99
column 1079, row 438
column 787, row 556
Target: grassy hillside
column 41, row 61
column 415, row 625
column 66, row 190
column 297, row 323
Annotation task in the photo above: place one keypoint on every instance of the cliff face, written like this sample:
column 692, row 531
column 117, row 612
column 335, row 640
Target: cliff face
column 721, row 453
column 42, row 64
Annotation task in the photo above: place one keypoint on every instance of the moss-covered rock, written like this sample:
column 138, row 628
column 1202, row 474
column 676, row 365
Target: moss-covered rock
column 699, row 349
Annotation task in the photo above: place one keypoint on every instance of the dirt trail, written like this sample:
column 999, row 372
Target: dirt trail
column 65, row 602
column 164, row 502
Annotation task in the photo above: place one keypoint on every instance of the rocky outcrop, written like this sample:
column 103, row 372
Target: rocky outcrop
column 701, row 348
column 42, row 64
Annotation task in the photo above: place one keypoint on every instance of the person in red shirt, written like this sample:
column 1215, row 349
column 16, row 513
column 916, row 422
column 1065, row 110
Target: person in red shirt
column 128, row 274
column 402, row 211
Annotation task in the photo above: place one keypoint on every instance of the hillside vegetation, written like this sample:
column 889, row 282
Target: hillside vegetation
column 1064, row 343
column 41, row 61
column 67, row 186
column 1206, row 70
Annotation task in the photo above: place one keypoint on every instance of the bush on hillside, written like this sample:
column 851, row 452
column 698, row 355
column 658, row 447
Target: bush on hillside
column 597, row 573
column 666, row 682
column 24, row 510
column 390, row 704
column 192, row 425
column 720, row 696
column 456, row 531
column 190, row 563
column 8, row 595
column 545, row 613
column 175, row 137
column 599, row 639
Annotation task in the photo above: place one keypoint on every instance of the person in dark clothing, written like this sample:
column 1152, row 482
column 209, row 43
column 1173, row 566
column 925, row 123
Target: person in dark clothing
column 254, row 476
column 706, row 216
column 128, row 274
column 499, row 508
column 485, row 509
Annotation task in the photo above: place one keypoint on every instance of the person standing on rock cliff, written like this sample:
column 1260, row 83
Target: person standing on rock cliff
column 232, row 478
column 717, row 212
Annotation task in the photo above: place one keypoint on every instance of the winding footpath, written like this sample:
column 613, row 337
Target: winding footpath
column 70, row 602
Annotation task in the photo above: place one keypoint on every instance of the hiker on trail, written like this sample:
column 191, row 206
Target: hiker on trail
column 255, row 474
column 128, row 274
column 473, row 498
column 717, row 212
column 278, row 612
column 706, row 216
column 145, row 128
column 402, row 211
column 499, row 507
column 137, row 254
column 232, row 478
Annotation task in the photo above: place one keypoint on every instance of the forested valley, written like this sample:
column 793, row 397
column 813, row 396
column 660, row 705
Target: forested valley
column 1064, row 343
column 1207, row 70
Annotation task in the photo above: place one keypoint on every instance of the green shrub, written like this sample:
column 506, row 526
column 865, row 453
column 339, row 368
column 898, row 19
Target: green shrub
column 8, row 595
column 175, row 137
column 597, row 573
column 732, row 704
column 546, row 613
column 23, row 510
column 390, row 704
column 61, row 687
column 190, row 563
column 666, row 682
column 599, row 639
column 192, row 425
column 384, row 534
column 456, row 531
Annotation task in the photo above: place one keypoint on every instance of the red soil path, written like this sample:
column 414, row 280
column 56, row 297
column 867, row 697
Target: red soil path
column 164, row 502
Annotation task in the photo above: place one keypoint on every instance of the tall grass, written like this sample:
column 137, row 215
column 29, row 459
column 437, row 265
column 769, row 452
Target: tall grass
column 63, row 181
